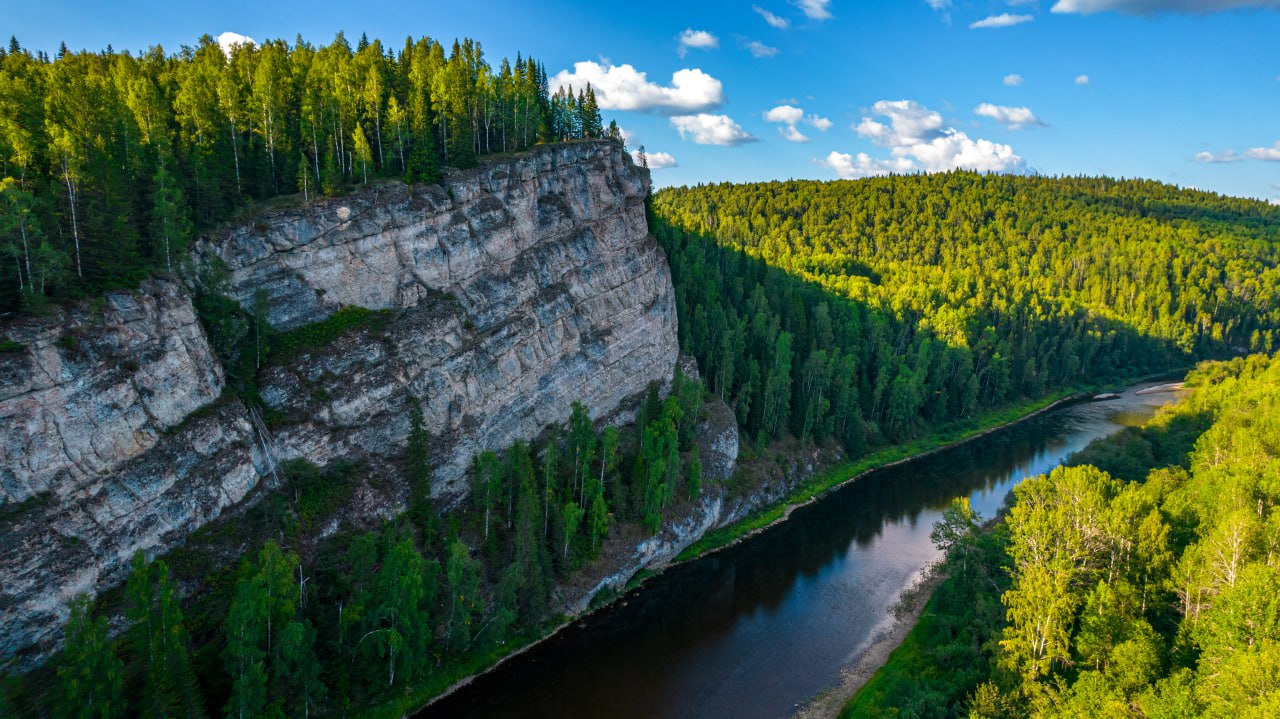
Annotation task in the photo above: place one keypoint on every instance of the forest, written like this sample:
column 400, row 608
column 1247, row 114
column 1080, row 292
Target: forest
column 310, row 626
column 111, row 162
column 869, row 311
column 1141, row 580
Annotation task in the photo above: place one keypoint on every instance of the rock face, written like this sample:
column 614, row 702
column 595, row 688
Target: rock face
column 97, row 457
column 519, row 288
column 512, row 290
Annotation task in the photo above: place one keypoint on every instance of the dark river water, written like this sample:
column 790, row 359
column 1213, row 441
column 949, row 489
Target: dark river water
column 761, row 627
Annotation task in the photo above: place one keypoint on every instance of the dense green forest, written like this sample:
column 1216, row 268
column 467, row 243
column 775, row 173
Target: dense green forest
column 326, row 627
column 1141, row 581
column 110, row 161
column 868, row 311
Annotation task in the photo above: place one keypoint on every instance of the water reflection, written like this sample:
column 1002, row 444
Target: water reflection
column 752, row 631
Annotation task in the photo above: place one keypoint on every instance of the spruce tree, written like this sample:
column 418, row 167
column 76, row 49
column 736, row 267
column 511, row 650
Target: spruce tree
column 90, row 676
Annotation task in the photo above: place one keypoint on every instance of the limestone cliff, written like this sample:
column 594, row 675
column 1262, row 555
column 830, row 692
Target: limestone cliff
column 513, row 290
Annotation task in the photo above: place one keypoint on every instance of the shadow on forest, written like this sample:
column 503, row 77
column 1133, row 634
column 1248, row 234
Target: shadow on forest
column 792, row 355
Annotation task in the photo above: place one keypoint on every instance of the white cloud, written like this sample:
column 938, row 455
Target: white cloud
column 622, row 87
column 1266, row 154
column 916, row 134
column 700, row 39
column 1275, row 201
column 786, row 114
column 956, row 150
column 910, row 123
column 660, row 160
column 1218, row 157
column 814, row 9
column 822, row 124
column 789, row 116
column 228, row 40
column 759, row 49
column 1004, row 19
column 1270, row 154
column 791, row 134
column 774, row 21
column 1152, row 7
column 705, row 129
column 1014, row 80
column 1082, row 79
column 1014, row 118
column 939, row 4
column 849, row 167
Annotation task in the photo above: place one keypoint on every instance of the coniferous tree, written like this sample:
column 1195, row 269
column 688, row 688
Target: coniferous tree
column 90, row 676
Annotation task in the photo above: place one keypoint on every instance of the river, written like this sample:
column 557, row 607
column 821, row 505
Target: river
column 757, row 629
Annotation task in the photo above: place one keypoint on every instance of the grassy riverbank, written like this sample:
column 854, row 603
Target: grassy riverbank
column 831, row 479
column 943, row 654
column 456, row 675
column 948, row 650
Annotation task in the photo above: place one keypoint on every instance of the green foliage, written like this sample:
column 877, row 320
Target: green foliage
column 872, row 311
column 317, row 335
column 267, row 642
column 418, row 468
column 90, row 676
column 1157, row 595
column 113, row 160
column 946, row 656
column 318, row 493
column 159, row 641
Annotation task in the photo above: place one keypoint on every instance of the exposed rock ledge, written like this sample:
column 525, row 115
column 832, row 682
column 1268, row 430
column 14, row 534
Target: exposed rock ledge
column 515, row 289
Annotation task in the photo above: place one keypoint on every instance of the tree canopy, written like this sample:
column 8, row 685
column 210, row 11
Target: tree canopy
column 110, row 161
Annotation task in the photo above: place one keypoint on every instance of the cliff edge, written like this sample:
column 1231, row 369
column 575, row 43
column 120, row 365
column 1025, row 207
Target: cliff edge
column 510, row 291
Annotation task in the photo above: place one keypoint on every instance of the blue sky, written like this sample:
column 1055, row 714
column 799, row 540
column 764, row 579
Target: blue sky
column 1184, row 91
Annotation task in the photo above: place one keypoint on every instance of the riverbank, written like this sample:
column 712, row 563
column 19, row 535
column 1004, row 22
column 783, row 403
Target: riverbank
column 447, row 683
column 867, row 662
column 830, row 480
column 896, row 652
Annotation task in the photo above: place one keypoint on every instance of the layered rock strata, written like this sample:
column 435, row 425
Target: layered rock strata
column 512, row 290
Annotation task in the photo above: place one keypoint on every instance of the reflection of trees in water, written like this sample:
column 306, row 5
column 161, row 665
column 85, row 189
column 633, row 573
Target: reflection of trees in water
column 625, row 656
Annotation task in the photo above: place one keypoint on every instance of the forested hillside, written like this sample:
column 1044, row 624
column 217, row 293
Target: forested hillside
column 110, row 161
column 874, row 309
column 1099, row 596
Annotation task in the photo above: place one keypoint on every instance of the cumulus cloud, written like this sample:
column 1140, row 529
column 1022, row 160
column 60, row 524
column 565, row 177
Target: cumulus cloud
column 1082, row 79
column 789, row 116
column 1270, row 154
column 706, row 129
column 774, row 21
column 814, row 9
column 622, row 87
column 1266, row 154
column 909, row 123
column 1152, row 7
column 849, row 167
column 1014, row 80
column 700, row 39
column 1004, row 19
column 915, row 136
column 660, row 160
column 1217, row 157
column 1014, row 118
column 228, row 40
column 759, row 49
